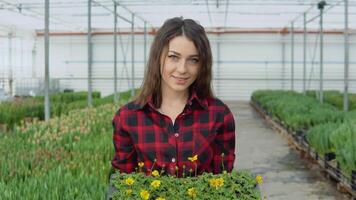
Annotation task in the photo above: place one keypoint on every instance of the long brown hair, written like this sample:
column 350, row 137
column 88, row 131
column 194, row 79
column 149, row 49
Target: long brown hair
column 171, row 28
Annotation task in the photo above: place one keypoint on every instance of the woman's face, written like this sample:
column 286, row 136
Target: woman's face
column 180, row 65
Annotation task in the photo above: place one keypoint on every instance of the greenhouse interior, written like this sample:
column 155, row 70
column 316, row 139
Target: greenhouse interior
column 283, row 85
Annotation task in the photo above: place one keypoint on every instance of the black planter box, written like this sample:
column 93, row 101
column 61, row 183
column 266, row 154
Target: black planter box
column 338, row 170
column 300, row 136
column 316, row 156
column 353, row 179
column 329, row 156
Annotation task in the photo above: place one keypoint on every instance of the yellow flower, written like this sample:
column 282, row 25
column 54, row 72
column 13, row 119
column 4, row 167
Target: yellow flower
column 141, row 164
column 220, row 181
column 192, row 192
column 216, row 182
column 213, row 183
column 156, row 183
column 259, row 179
column 155, row 173
column 160, row 198
column 129, row 191
column 129, row 181
column 194, row 158
column 144, row 194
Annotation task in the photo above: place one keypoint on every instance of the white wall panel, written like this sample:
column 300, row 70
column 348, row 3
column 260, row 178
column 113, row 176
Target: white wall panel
column 247, row 62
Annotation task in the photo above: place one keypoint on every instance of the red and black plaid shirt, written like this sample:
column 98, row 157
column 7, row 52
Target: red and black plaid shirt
column 205, row 128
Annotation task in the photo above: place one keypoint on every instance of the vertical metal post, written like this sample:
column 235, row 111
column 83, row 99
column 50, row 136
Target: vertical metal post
column 145, row 44
column 46, row 85
column 90, row 100
column 292, row 57
column 34, row 61
column 283, row 61
column 347, row 49
column 304, row 52
column 10, row 75
column 132, row 56
column 115, row 54
column 321, row 8
column 218, row 66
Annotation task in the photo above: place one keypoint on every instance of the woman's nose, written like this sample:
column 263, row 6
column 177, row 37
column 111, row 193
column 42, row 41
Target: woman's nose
column 181, row 67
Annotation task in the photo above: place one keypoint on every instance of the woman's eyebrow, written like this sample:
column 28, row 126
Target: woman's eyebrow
column 174, row 52
column 194, row 55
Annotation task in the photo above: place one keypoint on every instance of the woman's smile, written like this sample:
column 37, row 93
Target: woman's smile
column 180, row 80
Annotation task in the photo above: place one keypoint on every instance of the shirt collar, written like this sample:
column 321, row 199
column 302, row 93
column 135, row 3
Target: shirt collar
column 202, row 102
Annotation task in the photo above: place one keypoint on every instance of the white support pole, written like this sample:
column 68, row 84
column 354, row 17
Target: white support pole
column 90, row 99
column 47, row 86
column 116, row 98
column 347, row 51
column 132, row 56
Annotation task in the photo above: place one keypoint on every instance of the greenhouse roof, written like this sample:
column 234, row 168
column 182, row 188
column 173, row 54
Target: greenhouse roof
column 71, row 15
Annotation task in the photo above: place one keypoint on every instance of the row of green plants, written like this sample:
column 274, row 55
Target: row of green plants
column 327, row 129
column 67, row 157
column 12, row 113
column 68, row 97
column 335, row 98
column 338, row 139
column 320, row 135
column 294, row 110
column 62, row 109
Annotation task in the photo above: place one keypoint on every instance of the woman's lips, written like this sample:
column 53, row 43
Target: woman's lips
column 180, row 80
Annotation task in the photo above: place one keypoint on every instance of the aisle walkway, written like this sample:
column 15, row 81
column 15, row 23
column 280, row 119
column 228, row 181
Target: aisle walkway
column 264, row 151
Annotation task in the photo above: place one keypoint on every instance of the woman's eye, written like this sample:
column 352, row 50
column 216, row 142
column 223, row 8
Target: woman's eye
column 193, row 61
column 173, row 57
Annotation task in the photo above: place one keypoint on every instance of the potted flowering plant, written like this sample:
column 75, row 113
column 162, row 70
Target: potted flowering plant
column 156, row 185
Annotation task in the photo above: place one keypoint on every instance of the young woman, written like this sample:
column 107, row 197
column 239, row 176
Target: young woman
column 175, row 124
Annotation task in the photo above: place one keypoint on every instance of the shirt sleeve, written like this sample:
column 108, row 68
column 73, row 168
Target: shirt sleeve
column 224, row 151
column 125, row 158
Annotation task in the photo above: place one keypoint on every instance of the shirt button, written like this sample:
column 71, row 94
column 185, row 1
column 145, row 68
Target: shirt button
column 176, row 134
column 173, row 159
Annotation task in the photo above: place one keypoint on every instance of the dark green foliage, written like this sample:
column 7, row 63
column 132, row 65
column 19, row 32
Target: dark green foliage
column 335, row 98
column 12, row 113
column 297, row 111
column 329, row 130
